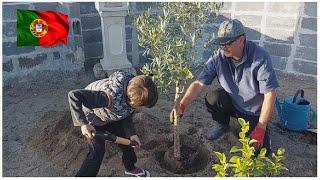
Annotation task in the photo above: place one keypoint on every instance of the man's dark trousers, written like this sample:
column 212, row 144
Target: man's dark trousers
column 220, row 106
column 91, row 165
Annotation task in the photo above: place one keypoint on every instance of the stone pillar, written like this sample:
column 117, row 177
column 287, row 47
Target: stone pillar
column 114, row 39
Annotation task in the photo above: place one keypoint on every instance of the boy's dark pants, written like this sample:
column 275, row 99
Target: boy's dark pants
column 91, row 165
column 219, row 104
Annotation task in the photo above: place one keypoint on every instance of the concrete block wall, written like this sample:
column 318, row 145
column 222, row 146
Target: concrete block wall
column 92, row 36
column 135, row 52
column 288, row 30
column 21, row 61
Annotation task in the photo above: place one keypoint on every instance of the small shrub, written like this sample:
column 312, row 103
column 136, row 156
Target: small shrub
column 248, row 165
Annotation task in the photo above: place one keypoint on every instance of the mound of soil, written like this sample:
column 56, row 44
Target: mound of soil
column 39, row 138
column 57, row 140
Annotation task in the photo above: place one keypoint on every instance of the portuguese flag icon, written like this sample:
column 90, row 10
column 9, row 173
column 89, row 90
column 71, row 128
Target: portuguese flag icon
column 46, row 28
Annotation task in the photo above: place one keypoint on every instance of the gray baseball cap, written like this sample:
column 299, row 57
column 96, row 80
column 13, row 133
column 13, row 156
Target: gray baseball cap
column 229, row 31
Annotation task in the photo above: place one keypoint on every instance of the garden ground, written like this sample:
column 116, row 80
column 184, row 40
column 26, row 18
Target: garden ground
column 40, row 140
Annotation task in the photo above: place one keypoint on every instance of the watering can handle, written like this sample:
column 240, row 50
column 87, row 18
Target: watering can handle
column 314, row 115
column 297, row 93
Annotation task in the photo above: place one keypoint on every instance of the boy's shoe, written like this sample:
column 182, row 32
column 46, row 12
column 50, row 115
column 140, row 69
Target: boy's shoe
column 216, row 131
column 138, row 172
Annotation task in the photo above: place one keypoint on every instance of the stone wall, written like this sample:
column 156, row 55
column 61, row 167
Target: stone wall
column 92, row 36
column 288, row 30
column 21, row 61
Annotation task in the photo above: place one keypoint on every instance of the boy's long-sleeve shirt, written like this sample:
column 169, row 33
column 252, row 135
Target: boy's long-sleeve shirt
column 92, row 100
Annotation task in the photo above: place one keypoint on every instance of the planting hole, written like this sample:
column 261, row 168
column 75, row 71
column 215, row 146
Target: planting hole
column 194, row 157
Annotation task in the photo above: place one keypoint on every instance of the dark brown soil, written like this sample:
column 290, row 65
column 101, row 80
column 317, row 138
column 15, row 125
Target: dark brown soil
column 193, row 157
column 39, row 138
column 191, row 160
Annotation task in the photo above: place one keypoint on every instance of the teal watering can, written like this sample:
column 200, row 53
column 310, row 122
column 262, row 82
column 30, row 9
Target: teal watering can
column 294, row 112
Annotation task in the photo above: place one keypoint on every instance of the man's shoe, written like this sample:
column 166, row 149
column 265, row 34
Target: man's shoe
column 138, row 172
column 216, row 131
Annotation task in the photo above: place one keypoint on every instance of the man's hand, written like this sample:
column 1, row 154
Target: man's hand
column 257, row 136
column 136, row 139
column 87, row 130
column 267, row 109
column 173, row 112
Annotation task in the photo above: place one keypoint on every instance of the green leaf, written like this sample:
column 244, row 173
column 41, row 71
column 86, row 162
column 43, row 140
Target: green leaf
column 235, row 149
column 245, row 141
column 245, row 127
column 258, row 164
column 284, row 168
column 241, row 121
column 241, row 135
column 280, row 151
column 221, row 157
column 263, row 152
column 220, row 174
column 259, row 173
column 187, row 73
column 216, row 167
column 235, row 159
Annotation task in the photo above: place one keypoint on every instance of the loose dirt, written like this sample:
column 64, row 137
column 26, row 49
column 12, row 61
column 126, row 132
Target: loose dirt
column 39, row 138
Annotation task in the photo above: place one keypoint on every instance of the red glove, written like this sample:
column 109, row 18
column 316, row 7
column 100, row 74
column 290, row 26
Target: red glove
column 258, row 135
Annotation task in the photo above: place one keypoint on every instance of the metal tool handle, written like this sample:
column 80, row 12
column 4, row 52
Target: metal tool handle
column 104, row 135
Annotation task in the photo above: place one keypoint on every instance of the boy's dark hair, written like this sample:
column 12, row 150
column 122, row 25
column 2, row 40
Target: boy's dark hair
column 142, row 91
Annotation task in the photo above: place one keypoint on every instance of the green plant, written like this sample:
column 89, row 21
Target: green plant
column 169, row 38
column 248, row 165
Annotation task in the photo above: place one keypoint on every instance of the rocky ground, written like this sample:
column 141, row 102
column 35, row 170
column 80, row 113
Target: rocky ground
column 40, row 140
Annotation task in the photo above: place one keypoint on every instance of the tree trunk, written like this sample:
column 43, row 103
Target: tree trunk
column 176, row 130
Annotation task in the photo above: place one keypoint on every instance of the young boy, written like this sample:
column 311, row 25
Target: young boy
column 107, row 105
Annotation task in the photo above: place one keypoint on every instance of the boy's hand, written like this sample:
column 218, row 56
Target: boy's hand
column 136, row 139
column 87, row 130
